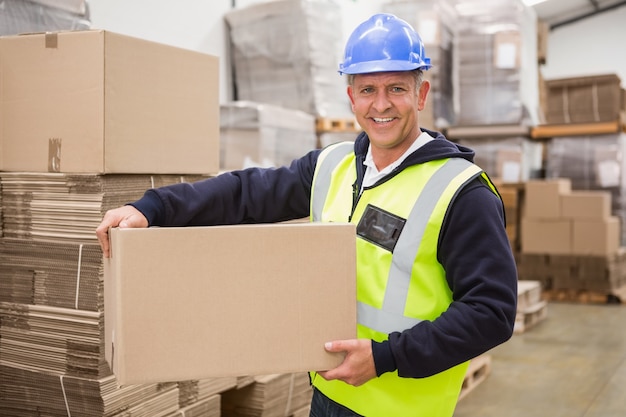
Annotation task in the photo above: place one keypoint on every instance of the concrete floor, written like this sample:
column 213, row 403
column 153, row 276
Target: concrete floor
column 571, row 364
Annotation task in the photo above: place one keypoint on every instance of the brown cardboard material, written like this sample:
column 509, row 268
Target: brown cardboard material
column 543, row 197
column 596, row 237
column 587, row 99
column 545, row 236
column 99, row 102
column 590, row 204
column 202, row 302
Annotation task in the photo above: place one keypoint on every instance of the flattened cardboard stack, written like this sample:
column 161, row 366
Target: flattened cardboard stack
column 498, row 74
column 260, row 134
column 286, row 53
column 19, row 16
column 594, row 98
column 270, row 396
column 51, row 271
column 51, row 293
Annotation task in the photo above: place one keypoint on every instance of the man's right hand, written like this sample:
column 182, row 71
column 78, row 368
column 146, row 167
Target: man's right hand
column 122, row 217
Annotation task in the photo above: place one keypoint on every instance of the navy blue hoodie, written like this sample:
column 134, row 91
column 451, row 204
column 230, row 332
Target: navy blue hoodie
column 473, row 248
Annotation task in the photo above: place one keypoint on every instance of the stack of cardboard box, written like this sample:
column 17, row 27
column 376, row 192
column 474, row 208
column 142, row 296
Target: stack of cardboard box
column 594, row 163
column 569, row 238
column 90, row 120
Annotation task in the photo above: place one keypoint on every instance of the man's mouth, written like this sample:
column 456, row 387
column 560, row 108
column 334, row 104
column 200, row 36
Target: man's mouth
column 382, row 119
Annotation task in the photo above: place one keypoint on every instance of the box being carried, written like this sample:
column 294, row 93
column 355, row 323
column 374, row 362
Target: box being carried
column 99, row 102
column 201, row 302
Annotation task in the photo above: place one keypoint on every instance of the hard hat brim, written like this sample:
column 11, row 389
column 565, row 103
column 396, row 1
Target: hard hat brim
column 382, row 66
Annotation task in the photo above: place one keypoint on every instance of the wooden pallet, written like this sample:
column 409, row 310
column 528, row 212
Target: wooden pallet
column 576, row 129
column 326, row 124
column 478, row 370
column 530, row 316
column 614, row 296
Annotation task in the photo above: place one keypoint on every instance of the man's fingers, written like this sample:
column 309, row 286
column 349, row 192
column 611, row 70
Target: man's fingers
column 339, row 345
column 123, row 217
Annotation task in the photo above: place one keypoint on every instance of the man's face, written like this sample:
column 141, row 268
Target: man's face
column 386, row 105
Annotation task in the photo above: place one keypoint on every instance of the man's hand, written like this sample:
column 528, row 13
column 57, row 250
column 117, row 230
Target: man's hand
column 122, row 217
column 358, row 366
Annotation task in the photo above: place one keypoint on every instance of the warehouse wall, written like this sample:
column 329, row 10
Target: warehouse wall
column 589, row 46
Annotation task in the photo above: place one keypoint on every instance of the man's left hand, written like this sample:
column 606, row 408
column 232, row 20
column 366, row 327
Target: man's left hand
column 357, row 367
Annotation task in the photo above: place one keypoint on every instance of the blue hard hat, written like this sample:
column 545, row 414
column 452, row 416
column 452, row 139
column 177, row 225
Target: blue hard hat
column 383, row 43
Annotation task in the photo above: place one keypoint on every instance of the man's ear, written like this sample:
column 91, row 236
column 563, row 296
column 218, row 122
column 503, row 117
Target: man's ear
column 423, row 94
column 351, row 96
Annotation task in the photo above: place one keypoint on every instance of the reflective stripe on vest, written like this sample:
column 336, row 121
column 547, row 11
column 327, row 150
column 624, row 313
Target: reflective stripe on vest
column 323, row 175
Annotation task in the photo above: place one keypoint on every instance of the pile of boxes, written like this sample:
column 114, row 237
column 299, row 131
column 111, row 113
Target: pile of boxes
column 90, row 120
column 570, row 239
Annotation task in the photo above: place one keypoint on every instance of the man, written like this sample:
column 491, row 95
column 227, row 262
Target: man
column 436, row 279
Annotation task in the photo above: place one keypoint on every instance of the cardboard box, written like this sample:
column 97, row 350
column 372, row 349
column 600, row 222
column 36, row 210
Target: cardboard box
column 545, row 236
column 202, row 302
column 588, row 99
column 543, row 197
column 596, row 237
column 99, row 102
column 586, row 205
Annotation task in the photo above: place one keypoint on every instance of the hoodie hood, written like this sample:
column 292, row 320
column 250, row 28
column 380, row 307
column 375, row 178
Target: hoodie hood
column 438, row 148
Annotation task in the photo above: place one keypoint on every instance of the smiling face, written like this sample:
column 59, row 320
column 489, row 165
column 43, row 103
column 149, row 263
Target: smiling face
column 386, row 105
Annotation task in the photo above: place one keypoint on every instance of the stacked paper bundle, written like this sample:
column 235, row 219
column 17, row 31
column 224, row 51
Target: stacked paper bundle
column 19, row 16
column 36, row 393
column 51, row 298
column 282, row 55
column 497, row 62
column 209, row 407
column 269, row 396
column 255, row 134
column 58, row 206
column 194, row 391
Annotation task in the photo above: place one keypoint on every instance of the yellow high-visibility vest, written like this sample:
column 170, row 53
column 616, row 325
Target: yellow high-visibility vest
column 399, row 280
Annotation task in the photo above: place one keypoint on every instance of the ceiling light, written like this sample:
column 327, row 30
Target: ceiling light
column 532, row 2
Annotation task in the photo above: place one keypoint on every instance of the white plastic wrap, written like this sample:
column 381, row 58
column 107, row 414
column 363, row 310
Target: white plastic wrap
column 22, row 16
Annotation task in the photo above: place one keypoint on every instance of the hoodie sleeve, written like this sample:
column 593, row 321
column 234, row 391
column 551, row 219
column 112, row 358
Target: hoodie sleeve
column 253, row 195
column 481, row 271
